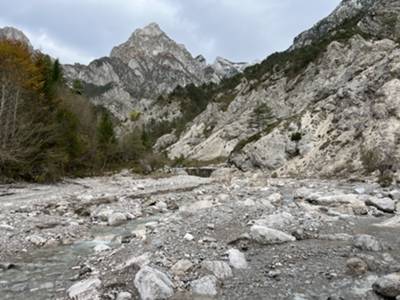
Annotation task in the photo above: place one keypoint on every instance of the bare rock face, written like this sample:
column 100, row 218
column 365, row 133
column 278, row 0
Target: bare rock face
column 154, row 57
column 326, row 119
column 347, row 10
column 146, row 66
column 375, row 18
column 226, row 68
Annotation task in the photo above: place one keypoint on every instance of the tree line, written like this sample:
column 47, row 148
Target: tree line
column 47, row 130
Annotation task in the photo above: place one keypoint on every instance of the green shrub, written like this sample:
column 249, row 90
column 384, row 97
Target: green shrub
column 134, row 116
column 382, row 159
column 385, row 180
column 262, row 116
column 77, row 87
column 295, row 137
column 370, row 160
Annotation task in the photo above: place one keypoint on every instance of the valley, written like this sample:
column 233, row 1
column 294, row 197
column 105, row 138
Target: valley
column 151, row 173
column 229, row 236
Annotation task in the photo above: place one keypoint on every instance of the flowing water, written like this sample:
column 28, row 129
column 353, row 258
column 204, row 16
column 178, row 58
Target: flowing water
column 47, row 272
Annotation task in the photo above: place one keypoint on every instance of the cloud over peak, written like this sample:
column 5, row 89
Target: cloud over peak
column 80, row 30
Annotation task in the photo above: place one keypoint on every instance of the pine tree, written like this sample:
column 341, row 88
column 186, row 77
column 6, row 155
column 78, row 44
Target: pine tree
column 106, row 140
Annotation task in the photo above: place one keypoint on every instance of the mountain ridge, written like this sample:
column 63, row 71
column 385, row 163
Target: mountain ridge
column 157, row 65
column 306, row 111
column 323, row 100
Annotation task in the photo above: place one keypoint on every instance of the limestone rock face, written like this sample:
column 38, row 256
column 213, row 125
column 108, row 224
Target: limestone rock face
column 137, row 72
column 225, row 68
column 343, row 105
column 347, row 10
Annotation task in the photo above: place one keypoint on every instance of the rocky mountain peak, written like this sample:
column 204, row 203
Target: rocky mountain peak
column 151, row 42
column 226, row 68
column 147, row 65
column 153, row 30
column 346, row 10
column 13, row 34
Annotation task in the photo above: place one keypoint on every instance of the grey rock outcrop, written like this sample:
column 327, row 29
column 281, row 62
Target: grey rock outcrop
column 383, row 204
column 237, row 259
column 205, row 286
column 388, row 286
column 85, row 290
column 138, row 71
column 342, row 105
column 117, row 219
column 347, row 10
column 153, row 284
column 268, row 236
column 225, row 68
column 219, row 268
column 367, row 242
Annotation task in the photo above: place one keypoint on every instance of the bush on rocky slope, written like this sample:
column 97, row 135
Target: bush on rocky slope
column 290, row 63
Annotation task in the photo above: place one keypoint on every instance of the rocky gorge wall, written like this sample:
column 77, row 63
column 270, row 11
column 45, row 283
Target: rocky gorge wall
column 326, row 119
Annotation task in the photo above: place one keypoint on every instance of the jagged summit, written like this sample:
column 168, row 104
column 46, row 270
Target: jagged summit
column 153, row 43
column 376, row 18
column 13, row 34
column 147, row 65
column 226, row 68
column 153, row 29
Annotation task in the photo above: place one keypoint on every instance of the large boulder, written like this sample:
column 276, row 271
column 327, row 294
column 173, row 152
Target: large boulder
column 117, row 219
column 388, row 286
column 205, row 286
column 276, row 221
column 367, row 242
column 237, row 259
column 85, row 290
column 153, row 284
column 181, row 267
column 219, row 268
column 383, row 204
column 356, row 266
column 268, row 236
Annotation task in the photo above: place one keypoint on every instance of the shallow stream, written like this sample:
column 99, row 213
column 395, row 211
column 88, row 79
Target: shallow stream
column 47, row 272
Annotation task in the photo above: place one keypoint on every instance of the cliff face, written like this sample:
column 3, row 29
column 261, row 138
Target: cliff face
column 335, row 114
column 146, row 66
column 329, row 105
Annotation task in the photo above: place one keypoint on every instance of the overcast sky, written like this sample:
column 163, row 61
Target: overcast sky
column 240, row 30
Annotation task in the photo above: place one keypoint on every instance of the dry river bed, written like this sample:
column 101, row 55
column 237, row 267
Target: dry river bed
column 230, row 236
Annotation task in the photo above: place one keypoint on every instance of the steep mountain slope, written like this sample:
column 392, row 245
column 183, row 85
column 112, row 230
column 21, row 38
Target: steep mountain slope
column 148, row 65
column 327, row 106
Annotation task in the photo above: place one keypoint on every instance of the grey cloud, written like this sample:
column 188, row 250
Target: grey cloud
column 241, row 30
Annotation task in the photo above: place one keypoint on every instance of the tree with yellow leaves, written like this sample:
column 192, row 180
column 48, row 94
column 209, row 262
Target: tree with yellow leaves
column 20, row 82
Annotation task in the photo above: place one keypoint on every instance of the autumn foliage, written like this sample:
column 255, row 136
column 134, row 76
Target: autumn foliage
column 46, row 130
